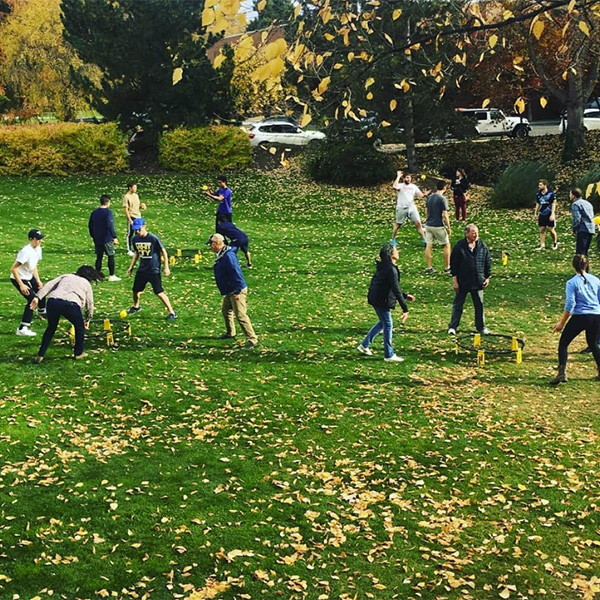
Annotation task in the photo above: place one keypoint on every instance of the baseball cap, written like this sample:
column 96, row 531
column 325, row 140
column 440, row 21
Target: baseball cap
column 137, row 223
column 35, row 234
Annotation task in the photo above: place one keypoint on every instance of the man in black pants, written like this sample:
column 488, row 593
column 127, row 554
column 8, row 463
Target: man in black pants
column 471, row 267
column 102, row 230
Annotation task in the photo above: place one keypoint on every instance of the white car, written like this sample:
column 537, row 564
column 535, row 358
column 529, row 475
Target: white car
column 591, row 120
column 492, row 121
column 281, row 132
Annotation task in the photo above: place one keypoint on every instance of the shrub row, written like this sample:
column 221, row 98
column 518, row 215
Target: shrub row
column 213, row 148
column 352, row 161
column 61, row 149
column 72, row 148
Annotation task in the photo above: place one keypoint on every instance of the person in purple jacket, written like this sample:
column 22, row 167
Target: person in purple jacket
column 233, row 288
column 102, row 230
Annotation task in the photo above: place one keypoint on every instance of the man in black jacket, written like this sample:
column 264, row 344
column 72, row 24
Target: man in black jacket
column 102, row 230
column 471, row 267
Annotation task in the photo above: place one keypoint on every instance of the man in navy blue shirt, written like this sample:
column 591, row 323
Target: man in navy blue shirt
column 233, row 288
column 223, row 197
column 102, row 230
column 149, row 249
column 235, row 236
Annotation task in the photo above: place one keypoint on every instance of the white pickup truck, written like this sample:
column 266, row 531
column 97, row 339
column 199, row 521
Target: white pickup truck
column 492, row 121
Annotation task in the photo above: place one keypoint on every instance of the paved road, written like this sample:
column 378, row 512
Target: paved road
column 544, row 128
column 539, row 128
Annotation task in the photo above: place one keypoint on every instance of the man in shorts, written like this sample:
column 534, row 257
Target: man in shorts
column 437, row 227
column 545, row 212
column 149, row 249
column 405, row 203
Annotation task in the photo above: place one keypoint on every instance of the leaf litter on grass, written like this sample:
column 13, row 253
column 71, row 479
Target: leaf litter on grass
column 174, row 466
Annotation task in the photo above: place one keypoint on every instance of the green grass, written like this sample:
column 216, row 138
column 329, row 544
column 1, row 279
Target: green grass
column 177, row 466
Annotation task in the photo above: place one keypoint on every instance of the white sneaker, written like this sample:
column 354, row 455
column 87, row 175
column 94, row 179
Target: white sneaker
column 114, row 278
column 394, row 358
column 25, row 331
column 451, row 331
column 130, row 253
column 485, row 331
column 540, row 248
column 555, row 246
column 364, row 350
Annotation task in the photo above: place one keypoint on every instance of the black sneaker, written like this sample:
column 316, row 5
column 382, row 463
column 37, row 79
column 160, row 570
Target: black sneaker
column 171, row 316
column 134, row 309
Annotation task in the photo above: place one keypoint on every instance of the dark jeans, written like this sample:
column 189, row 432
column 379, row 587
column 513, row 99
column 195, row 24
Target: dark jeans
column 33, row 290
column 575, row 325
column 109, row 250
column 457, row 308
column 584, row 239
column 57, row 308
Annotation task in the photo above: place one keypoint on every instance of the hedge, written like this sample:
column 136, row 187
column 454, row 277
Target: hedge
column 212, row 148
column 62, row 149
column 349, row 161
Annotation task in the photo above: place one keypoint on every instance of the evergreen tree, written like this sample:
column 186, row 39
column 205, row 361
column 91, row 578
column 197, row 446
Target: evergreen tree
column 152, row 57
column 274, row 12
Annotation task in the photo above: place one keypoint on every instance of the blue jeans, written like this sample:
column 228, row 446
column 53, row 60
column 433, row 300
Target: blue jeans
column 56, row 309
column 386, row 324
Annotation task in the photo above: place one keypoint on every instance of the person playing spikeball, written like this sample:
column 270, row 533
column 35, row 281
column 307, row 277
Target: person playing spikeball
column 223, row 197
column 149, row 250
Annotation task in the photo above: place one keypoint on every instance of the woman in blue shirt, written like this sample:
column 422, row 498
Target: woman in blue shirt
column 582, row 313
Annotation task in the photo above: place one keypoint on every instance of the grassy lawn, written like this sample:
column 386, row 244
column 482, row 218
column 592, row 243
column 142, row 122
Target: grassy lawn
column 175, row 465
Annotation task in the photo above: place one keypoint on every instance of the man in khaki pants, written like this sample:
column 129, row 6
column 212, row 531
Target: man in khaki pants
column 233, row 288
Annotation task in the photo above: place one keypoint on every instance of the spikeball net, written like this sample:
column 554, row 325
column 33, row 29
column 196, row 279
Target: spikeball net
column 105, row 328
column 177, row 254
column 491, row 344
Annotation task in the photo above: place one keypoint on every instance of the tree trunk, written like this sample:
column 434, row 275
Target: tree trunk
column 575, row 133
column 409, row 117
column 409, row 130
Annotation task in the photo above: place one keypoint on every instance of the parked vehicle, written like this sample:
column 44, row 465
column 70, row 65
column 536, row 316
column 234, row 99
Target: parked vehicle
column 281, row 118
column 591, row 120
column 282, row 132
column 492, row 121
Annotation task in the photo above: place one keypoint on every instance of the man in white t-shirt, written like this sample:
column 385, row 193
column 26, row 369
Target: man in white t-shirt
column 25, row 277
column 405, row 203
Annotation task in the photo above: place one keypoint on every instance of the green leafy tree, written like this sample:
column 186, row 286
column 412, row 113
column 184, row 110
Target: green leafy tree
column 152, row 57
column 347, row 67
column 270, row 12
column 37, row 66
